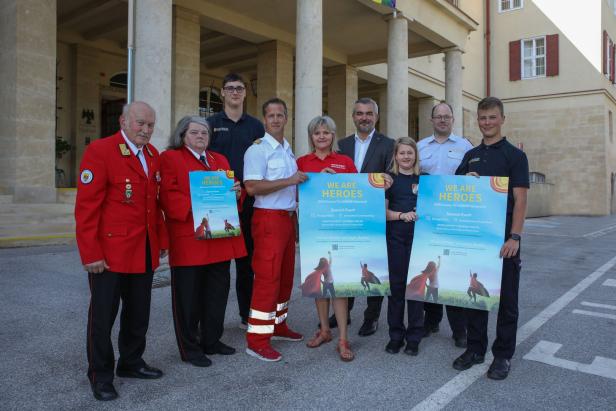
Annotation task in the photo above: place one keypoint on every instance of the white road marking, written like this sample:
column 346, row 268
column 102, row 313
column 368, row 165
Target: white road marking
column 548, row 234
column 544, row 352
column 595, row 314
column 454, row 387
column 600, row 233
column 610, row 282
column 596, row 305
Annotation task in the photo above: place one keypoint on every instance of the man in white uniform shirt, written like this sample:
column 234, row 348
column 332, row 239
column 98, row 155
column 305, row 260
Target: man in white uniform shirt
column 441, row 154
column 271, row 176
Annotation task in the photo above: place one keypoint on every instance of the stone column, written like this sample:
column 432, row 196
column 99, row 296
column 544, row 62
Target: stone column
column 424, row 112
column 308, row 69
column 382, row 101
column 275, row 78
column 28, row 100
column 453, row 87
column 341, row 94
column 186, row 64
column 397, row 78
column 153, row 34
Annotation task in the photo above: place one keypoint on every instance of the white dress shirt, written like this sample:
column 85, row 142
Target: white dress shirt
column 269, row 160
column 138, row 152
column 361, row 147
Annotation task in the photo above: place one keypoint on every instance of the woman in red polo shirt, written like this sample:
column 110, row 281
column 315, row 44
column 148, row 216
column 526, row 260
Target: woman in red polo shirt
column 324, row 159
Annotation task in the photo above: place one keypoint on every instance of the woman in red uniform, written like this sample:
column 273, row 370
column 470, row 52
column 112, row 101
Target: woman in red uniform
column 323, row 159
column 199, row 268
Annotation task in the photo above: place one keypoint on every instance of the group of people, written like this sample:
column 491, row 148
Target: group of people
column 133, row 207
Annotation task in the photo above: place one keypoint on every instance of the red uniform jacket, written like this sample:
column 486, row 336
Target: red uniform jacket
column 117, row 205
column 185, row 249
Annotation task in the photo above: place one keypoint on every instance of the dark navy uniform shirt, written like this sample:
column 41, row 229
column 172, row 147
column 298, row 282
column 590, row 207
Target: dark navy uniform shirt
column 232, row 139
column 501, row 159
column 402, row 194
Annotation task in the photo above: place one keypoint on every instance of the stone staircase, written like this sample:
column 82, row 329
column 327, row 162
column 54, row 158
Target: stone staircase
column 37, row 224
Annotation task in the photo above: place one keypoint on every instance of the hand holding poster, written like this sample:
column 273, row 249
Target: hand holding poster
column 343, row 250
column 214, row 205
column 458, row 236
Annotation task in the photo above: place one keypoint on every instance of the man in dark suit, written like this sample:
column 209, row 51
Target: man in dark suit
column 371, row 152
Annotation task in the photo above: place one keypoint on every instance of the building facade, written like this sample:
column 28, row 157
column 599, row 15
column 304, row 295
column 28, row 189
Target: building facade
column 64, row 68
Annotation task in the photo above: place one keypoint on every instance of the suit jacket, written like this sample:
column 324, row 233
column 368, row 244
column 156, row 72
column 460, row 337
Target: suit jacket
column 117, row 206
column 185, row 249
column 378, row 156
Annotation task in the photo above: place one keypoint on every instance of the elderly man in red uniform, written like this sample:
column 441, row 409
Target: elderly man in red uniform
column 120, row 235
column 271, row 176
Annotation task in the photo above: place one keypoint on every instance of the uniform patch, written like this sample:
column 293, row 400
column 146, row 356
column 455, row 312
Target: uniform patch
column 124, row 150
column 415, row 188
column 257, row 141
column 473, row 160
column 86, row 176
column 216, row 129
column 340, row 166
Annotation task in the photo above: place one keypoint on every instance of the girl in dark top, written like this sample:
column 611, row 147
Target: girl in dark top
column 401, row 199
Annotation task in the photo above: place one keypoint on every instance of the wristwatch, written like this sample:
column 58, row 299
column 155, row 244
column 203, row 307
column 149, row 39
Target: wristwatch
column 515, row 236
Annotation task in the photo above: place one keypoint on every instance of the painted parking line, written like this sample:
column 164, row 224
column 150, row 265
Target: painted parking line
column 458, row 384
column 545, row 351
column 597, row 305
column 600, row 233
column 610, row 282
column 595, row 314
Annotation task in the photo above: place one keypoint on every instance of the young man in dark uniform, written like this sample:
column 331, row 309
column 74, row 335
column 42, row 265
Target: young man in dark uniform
column 233, row 131
column 495, row 156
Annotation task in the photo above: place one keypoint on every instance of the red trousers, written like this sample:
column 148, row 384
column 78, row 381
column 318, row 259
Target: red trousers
column 273, row 263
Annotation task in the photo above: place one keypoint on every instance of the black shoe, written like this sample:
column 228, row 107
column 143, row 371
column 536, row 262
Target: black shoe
column 459, row 341
column 219, row 348
column 368, row 327
column 499, row 369
column 393, row 347
column 144, row 372
column 467, row 360
column 412, row 348
column 104, row 391
column 202, row 361
column 430, row 329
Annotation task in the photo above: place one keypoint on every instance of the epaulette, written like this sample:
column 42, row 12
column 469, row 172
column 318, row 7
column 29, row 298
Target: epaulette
column 124, row 150
column 149, row 151
column 257, row 141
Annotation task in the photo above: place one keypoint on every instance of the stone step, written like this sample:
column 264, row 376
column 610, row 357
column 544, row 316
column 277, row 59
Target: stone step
column 6, row 199
column 36, row 224
column 66, row 195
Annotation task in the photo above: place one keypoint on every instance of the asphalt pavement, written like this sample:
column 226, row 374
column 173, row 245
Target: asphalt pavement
column 566, row 357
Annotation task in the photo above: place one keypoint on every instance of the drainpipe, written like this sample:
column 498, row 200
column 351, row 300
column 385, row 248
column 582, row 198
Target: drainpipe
column 131, row 51
column 488, row 34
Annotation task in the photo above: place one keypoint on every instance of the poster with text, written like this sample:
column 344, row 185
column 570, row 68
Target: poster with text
column 458, row 236
column 343, row 251
column 214, row 204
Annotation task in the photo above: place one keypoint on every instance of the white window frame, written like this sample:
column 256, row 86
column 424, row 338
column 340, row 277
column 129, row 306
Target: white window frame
column 608, row 56
column 511, row 6
column 534, row 57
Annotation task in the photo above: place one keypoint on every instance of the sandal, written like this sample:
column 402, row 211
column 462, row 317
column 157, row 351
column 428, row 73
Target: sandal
column 344, row 349
column 319, row 339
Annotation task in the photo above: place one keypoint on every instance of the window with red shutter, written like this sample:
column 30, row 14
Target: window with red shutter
column 612, row 55
column 515, row 63
column 605, row 52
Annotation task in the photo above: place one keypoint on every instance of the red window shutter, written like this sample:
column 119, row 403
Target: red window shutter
column 515, row 65
column 603, row 52
column 613, row 64
column 551, row 55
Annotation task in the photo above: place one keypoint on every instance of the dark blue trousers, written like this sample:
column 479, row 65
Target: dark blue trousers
column 399, row 243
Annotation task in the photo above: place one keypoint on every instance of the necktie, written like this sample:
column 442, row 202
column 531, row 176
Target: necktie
column 203, row 160
column 142, row 161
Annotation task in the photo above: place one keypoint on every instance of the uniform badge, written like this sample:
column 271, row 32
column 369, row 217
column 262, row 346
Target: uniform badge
column 415, row 188
column 474, row 160
column 86, row 176
column 128, row 193
column 149, row 151
column 124, row 150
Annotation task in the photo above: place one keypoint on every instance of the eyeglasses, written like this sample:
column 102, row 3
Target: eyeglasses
column 441, row 118
column 231, row 89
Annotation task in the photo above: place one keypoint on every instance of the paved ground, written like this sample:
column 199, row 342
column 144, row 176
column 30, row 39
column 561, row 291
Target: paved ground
column 566, row 358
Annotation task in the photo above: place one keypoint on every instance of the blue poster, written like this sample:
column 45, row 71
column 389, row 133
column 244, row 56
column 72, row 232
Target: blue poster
column 343, row 252
column 214, row 206
column 458, row 236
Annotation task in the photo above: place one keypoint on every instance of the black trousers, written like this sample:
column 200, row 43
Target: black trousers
column 199, row 300
column 373, row 310
column 399, row 243
column 455, row 315
column 507, row 320
column 243, row 266
column 106, row 291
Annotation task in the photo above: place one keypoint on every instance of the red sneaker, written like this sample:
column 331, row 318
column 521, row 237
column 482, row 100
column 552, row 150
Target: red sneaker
column 264, row 354
column 286, row 334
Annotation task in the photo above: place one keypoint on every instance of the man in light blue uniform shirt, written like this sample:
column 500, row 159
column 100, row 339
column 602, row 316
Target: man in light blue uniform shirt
column 441, row 154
